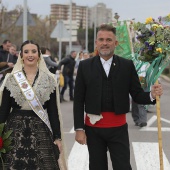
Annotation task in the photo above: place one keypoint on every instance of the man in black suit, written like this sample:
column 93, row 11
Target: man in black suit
column 102, row 88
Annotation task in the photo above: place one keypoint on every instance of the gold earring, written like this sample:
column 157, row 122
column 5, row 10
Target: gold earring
column 22, row 62
column 38, row 62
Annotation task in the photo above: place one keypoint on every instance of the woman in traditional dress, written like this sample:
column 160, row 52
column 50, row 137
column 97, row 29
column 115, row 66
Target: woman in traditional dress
column 30, row 108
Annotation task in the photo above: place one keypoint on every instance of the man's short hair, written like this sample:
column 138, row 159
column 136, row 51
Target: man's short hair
column 107, row 27
column 6, row 41
column 43, row 50
column 72, row 52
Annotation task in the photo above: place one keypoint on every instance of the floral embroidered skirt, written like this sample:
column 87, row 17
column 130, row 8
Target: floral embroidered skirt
column 32, row 142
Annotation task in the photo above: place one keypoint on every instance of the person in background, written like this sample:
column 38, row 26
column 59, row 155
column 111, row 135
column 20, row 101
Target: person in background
column 4, row 49
column 102, row 88
column 86, row 55
column 13, row 54
column 50, row 64
column 52, row 69
column 36, row 125
column 5, row 64
column 139, row 111
column 68, row 64
column 78, row 59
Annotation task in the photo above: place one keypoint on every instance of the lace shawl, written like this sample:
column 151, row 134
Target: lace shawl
column 41, row 88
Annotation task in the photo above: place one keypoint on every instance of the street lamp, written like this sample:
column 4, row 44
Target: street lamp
column 116, row 16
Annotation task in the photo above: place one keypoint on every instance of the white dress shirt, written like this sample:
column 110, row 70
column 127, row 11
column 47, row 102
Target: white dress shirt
column 106, row 64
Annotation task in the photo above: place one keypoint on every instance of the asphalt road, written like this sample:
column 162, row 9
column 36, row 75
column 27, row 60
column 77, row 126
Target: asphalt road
column 143, row 141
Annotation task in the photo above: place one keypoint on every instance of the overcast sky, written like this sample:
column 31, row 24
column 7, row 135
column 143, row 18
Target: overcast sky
column 127, row 9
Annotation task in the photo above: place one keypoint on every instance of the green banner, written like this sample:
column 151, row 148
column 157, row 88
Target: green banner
column 122, row 34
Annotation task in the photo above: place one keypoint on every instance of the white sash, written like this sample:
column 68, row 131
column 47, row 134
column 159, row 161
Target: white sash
column 31, row 97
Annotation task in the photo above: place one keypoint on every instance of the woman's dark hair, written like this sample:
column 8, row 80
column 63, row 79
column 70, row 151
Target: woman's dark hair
column 30, row 42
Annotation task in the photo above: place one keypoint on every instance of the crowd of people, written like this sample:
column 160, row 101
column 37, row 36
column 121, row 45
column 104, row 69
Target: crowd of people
column 31, row 97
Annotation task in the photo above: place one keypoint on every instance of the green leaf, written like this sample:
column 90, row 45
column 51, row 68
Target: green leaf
column 1, row 128
column 2, row 150
column 9, row 148
column 7, row 143
column 151, row 39
column 6, row 135
column 158, row 31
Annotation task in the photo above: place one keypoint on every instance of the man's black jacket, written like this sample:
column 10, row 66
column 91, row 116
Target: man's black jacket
column 88, row 88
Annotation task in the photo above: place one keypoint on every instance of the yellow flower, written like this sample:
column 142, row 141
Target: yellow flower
column 168, row 16
column 148, row 20
column 155, row 25
column 160, row 26
column 159, row 50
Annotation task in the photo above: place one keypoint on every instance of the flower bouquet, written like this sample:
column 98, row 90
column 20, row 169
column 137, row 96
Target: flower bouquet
column 5, row 142
column 152, row 46
column 153, row 38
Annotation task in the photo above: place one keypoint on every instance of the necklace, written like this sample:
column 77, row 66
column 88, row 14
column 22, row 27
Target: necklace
column 31, row 79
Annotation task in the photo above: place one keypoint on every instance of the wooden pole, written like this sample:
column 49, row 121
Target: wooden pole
column 159, row 130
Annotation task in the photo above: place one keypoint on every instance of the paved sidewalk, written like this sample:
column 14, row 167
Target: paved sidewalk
column 165, row 78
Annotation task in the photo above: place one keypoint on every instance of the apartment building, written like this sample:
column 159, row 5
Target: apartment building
column 98, row 14
column 62, row 12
